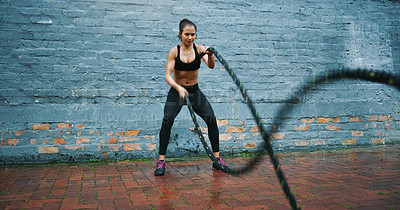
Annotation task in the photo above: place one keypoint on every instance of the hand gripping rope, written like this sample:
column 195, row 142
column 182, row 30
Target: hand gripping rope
column 367, row 75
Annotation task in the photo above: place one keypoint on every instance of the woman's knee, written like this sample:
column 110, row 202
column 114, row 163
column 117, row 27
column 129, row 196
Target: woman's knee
column 168, row 120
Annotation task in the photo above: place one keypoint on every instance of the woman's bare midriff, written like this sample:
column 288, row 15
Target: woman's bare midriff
column 186, row 78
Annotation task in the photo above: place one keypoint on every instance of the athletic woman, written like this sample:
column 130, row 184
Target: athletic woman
column 181, row 73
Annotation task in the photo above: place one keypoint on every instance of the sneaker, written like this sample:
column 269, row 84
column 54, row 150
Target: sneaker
column 160, row 170
column 215, row 167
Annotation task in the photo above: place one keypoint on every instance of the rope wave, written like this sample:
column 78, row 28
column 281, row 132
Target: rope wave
column 333, row 75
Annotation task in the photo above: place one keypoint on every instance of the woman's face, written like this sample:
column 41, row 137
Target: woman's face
column 188, row 35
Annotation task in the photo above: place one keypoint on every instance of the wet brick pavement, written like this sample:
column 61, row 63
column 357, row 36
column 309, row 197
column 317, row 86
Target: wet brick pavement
column 361, row 178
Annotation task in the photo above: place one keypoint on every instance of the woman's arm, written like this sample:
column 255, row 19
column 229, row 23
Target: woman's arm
column 208, row 58
column 169, row 70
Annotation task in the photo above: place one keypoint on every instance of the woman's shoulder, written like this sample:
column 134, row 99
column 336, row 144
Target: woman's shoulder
column 173, row 51
column 174, row 48
column 199, row 47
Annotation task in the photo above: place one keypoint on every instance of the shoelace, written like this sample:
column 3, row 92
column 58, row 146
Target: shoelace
column 161, row 164
column 221, row 161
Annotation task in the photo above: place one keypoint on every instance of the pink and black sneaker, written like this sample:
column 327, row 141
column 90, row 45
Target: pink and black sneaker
column 216, row 168
column 160, row 170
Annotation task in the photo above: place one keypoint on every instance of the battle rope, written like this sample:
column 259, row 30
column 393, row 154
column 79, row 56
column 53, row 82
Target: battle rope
column 202, row 139
column 381, row 77
column 367, row 75
column 250, row 164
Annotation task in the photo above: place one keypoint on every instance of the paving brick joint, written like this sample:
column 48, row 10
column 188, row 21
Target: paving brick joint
column 84, row 80
column 358, row 178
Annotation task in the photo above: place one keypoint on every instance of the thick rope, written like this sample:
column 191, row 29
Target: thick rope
column 367, row 75
column 381, row 77
column 202, row 139
column 265, row 136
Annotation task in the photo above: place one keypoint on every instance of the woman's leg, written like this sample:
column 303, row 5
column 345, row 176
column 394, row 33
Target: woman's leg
column 203, row 108
column 171, row 110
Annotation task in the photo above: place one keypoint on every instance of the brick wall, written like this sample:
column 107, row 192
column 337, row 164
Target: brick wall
column 84, row 80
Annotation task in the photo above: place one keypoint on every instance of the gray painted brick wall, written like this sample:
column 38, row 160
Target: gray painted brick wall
column 84, row 80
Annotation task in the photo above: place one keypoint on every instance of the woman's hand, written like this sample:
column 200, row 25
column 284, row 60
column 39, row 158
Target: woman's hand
column 208, row 52
column 209, row 59
column 182, row 92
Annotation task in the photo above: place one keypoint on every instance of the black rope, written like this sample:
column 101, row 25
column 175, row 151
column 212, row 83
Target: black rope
column 381, row 77
column 265, row 136
column 255, row 160
column 202, row 139
column 367, row 75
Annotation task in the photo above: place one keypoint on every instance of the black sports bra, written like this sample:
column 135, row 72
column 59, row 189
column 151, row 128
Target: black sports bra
column 192, row 66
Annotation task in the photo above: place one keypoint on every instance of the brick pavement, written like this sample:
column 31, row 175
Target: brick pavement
column 362, row 178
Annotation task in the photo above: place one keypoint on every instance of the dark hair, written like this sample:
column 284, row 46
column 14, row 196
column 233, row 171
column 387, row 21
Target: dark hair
column 185, row 22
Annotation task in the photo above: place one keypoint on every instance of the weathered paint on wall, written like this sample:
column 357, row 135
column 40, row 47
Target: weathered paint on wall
column 84, row 80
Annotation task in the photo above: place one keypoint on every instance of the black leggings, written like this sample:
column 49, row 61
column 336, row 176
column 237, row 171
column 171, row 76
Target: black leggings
column 200, row 105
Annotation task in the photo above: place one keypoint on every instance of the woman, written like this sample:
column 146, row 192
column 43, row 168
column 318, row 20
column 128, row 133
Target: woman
column 183, row 63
